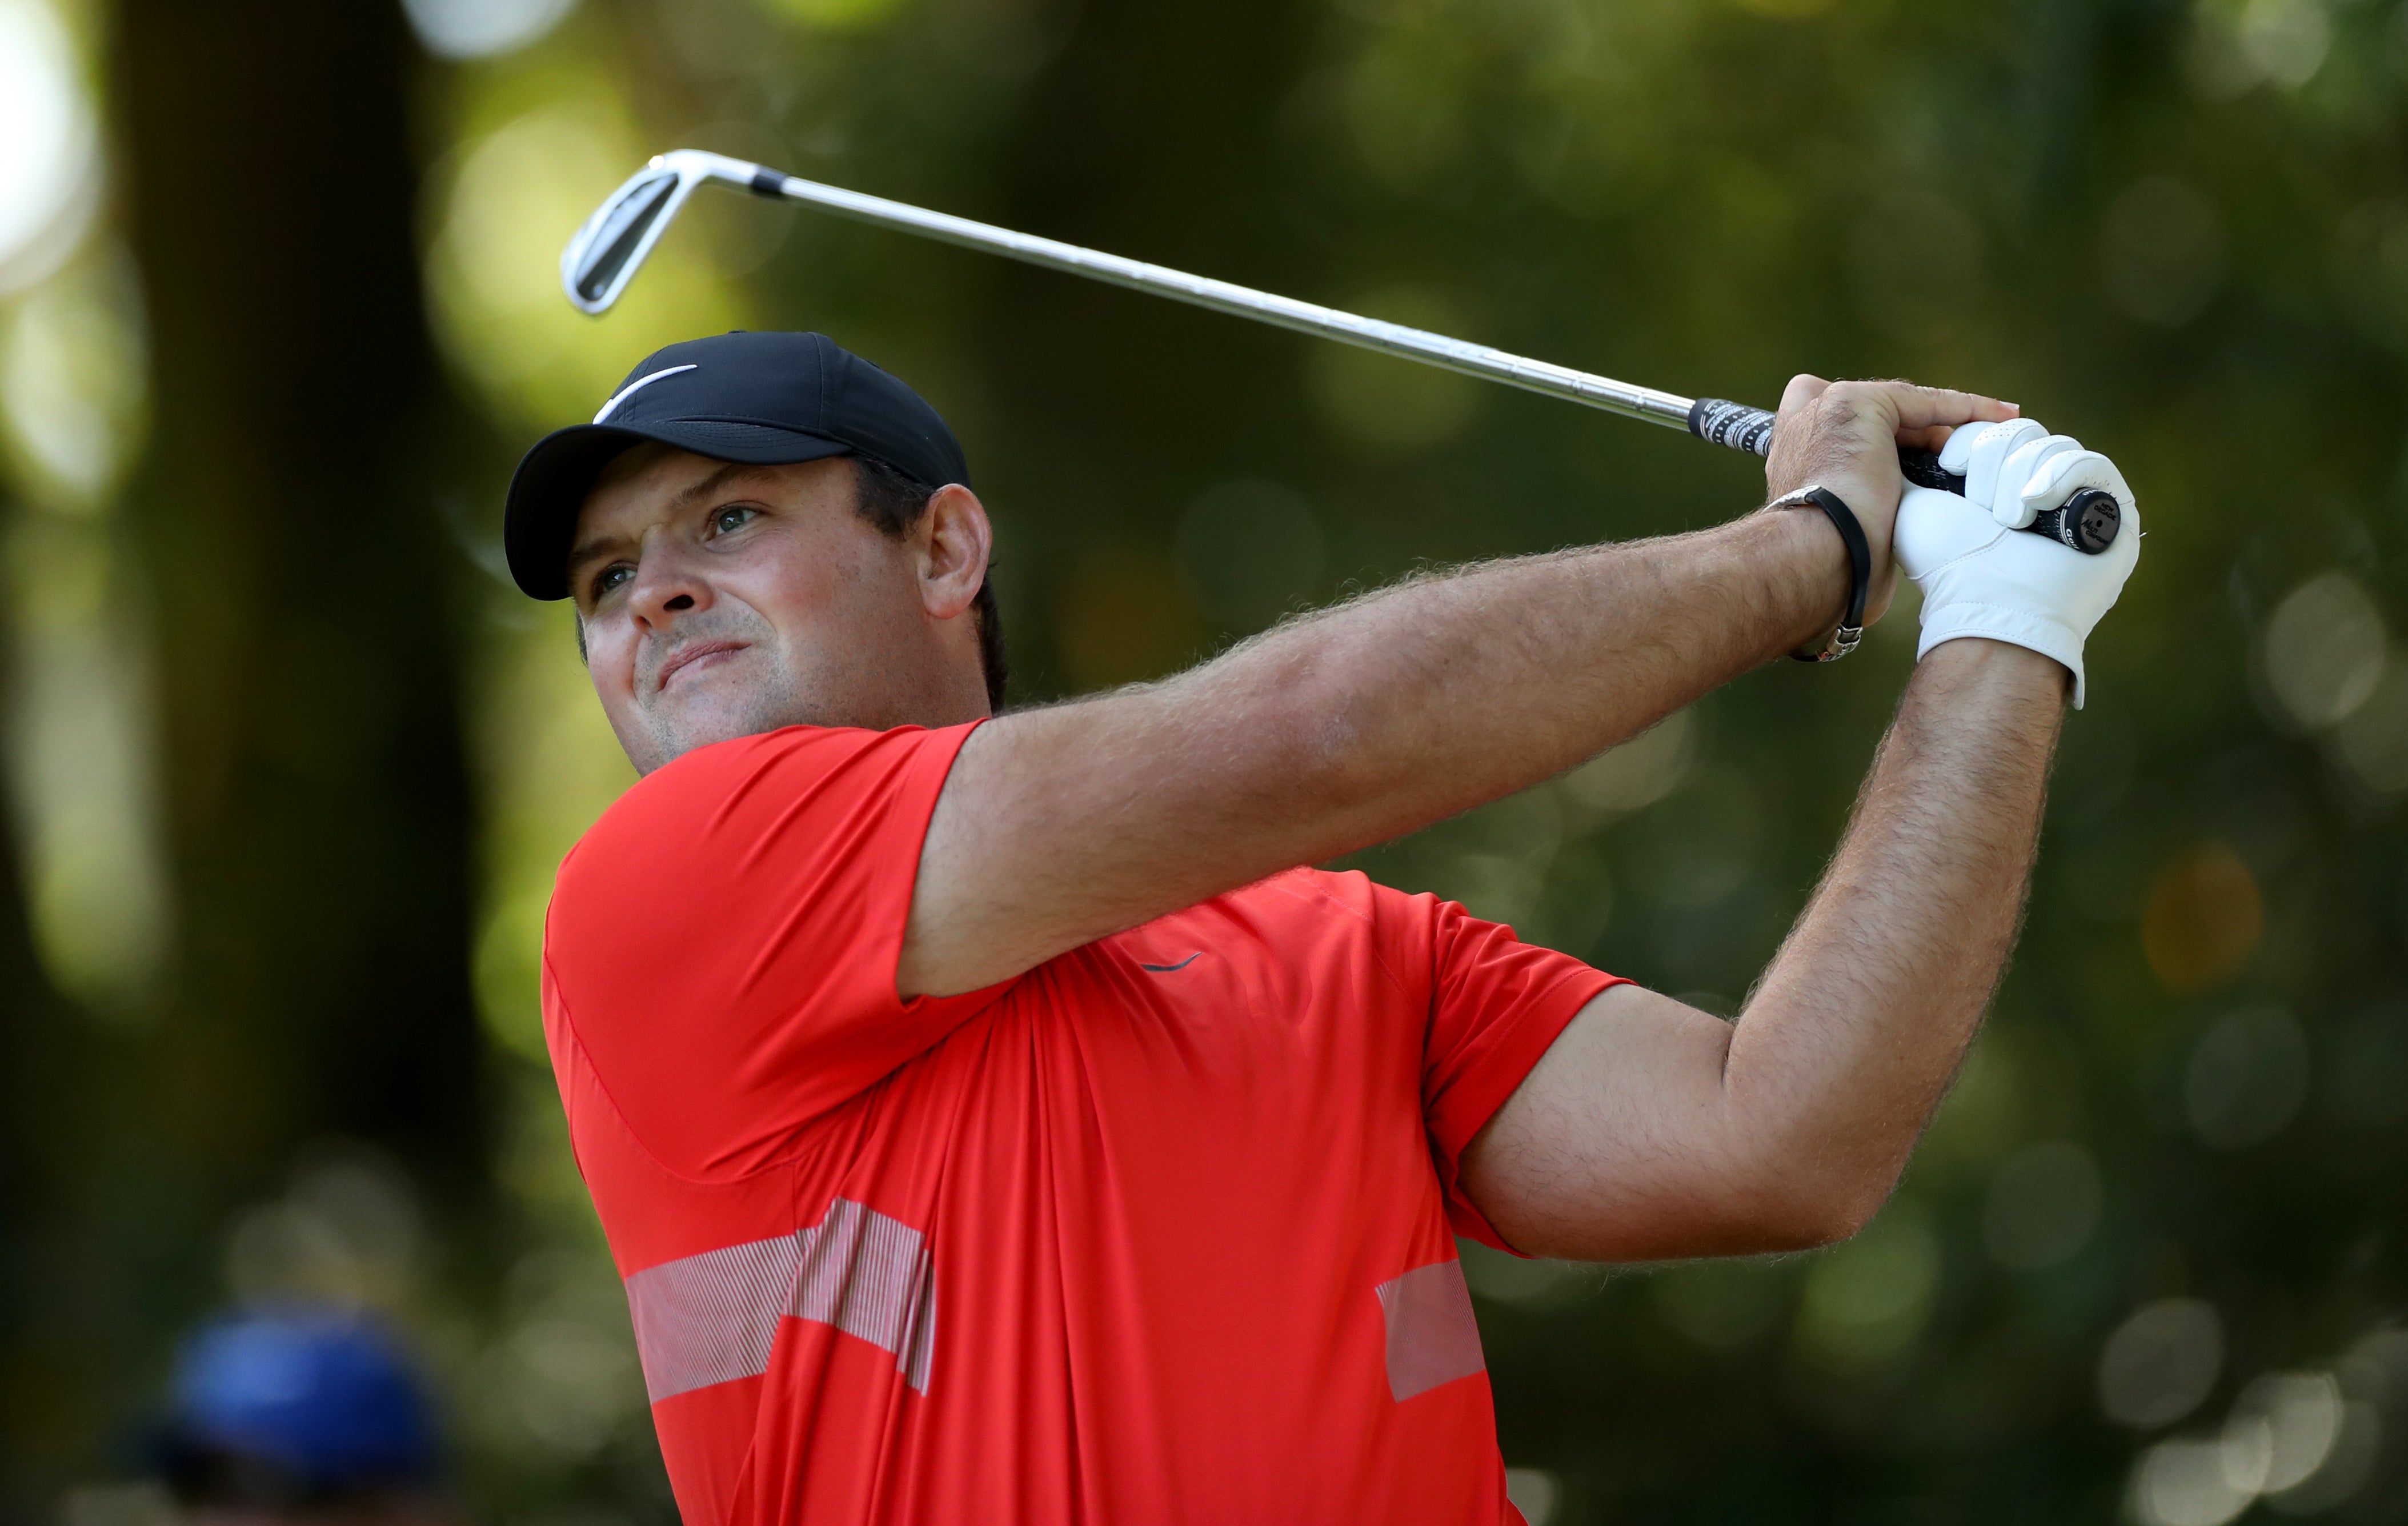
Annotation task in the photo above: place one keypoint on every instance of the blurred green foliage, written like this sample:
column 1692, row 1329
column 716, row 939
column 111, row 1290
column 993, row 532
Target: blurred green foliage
column 2150, row 1261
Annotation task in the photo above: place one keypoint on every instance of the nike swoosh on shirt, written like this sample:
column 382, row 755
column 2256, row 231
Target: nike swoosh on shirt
column 1167, row 969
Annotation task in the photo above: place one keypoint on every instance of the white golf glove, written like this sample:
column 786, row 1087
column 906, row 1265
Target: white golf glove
column 1981, row 577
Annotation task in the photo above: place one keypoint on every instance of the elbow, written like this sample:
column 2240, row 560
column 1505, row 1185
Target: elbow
column 1831, row 1222
column 1323, row 741
column 1774, row 1213
column 1802, row 1212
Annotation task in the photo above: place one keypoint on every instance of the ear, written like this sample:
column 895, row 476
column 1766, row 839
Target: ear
column 955, row 542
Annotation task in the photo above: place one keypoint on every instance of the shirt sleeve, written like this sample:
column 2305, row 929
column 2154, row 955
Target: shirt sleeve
column 1497, row 1003
column 724, row 941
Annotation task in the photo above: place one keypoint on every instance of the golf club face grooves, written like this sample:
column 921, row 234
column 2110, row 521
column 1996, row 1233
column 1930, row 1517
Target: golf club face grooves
column 626, row 226
column 625, row 221
column 608, row 249
column 604, row 255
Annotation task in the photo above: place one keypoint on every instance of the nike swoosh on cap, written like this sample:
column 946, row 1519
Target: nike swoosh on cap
column 636, row 387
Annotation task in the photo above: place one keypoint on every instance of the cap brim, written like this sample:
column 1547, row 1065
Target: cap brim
column 539, row 519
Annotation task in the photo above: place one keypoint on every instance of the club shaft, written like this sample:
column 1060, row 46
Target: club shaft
column 1736, row 425
column 1479, row 360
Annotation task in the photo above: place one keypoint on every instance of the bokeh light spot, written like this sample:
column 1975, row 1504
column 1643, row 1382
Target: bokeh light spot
column 2323, row 650
column 1122, row 618
column 492, row 275
column 2204, row 919
column 2285, row 41
column 1865, row 1301
column 2183, row 1483
column 2282, row 1430
column 1394, row 406
column 545, row 745
column 2367, row 1083
column 1724, row 1305
column 1526, row 1282
column 833, row 15
column 483, row 28
column 2238, row 45
column 75, row 380
column 2160, row 251
column 2159, row 1364
column 2042, row 1205
column 1403, row 100
column 2246, row 1078
column 1919, row 266
column 47, row 177
column 2371, row 743
column 1638, row 771
column 1249, row 550
column 1534, row 1492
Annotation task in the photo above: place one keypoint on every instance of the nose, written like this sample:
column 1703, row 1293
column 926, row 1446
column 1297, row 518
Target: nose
column 666, row 585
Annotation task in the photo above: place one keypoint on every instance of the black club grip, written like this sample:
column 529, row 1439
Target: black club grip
column 2087, row 522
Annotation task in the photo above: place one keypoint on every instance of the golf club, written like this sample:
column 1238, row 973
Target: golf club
column 604, row 255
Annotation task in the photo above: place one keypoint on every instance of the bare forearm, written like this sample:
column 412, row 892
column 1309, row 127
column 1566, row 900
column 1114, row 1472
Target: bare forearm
column 1389, row 712
column 1651, row 1131
column 1862, row 1019
column 1447, row 692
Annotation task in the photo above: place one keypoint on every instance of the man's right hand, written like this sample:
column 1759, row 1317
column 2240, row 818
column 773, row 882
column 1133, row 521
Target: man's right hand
column 1845, row 436
column 1981, row 579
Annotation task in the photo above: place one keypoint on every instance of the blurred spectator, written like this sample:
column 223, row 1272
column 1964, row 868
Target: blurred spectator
column 301, row 1414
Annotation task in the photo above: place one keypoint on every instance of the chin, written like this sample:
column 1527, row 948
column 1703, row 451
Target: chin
column 669, row 732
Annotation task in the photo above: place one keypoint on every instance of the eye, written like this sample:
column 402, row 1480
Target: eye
column 734, row 517
column 611, row 578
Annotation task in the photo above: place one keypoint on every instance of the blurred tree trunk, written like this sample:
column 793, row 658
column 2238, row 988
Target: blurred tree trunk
column 39, row 1071
column 308, row 646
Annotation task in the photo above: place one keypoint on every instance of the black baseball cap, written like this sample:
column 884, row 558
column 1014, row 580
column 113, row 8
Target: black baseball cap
column 764, row 399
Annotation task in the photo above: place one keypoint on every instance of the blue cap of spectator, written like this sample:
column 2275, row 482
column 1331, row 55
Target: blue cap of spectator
column 296, row 1404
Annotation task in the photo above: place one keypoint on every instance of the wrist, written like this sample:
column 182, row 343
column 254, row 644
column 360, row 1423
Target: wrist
column 2033, row 633
column 1991, row 660
column 1807, row 573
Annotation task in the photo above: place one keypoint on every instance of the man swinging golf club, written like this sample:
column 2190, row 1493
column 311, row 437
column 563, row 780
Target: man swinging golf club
column 995, row 1119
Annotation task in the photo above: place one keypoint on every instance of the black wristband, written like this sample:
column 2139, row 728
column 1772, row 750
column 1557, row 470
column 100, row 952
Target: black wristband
column 1860, row 571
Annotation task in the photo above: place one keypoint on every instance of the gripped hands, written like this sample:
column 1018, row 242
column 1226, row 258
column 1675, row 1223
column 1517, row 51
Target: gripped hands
column 1845, row 436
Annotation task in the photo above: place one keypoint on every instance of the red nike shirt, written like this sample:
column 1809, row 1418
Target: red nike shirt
column 1159, row 1231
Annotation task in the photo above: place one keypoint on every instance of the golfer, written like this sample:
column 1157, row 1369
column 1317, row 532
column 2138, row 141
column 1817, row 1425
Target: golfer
column 998, row 1120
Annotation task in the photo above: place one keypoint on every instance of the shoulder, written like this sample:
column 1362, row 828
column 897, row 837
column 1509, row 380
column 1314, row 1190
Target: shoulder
column 738, row 786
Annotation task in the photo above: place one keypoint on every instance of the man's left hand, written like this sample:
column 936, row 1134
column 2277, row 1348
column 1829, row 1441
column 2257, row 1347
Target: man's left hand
column 1845, row 436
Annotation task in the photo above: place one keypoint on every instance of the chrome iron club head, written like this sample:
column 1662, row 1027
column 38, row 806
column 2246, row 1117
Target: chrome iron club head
column 605, row 255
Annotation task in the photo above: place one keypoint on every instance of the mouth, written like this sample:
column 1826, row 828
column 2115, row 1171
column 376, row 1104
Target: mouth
column 702, row 654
